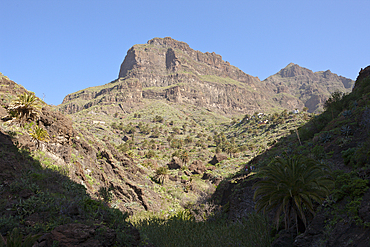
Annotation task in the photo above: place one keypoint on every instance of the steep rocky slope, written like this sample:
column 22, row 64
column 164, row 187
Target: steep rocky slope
column 87, row 160
column 170, row 70
column 40, row 185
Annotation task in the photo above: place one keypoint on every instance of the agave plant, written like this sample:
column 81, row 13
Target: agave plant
column 325, row 137
column 26, row 107
column 291, row 186
column 347, row 113
column 346, row 130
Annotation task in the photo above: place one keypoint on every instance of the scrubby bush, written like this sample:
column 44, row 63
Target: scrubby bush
column 158, row 119
column 150, row 154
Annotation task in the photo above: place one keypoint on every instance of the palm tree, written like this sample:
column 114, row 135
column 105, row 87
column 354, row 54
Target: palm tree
column 26, row 106
column 290, row 186
column 161, row 174
column 39, row 134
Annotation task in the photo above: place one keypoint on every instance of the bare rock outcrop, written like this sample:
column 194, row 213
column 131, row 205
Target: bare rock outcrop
column 170, row 70
column 218, row 158
column 364, row 73
column 175, row 163
column 197, row 167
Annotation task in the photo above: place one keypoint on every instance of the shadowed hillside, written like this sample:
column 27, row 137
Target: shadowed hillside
column 338, row 139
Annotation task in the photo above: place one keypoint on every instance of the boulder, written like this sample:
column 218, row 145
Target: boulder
column 188, row 173
column 175, row 163
column 211, row 168
column 211, row 178
column 216, row 180
column 218, row 158
column 126, row 138
column 197, row 167
column 207, row 176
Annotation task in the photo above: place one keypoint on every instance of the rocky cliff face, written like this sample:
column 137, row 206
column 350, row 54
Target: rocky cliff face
column 306, row 88
column 168, row 69
column 171, row 70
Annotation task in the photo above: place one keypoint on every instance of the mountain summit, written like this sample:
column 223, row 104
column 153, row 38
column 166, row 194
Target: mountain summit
column 311, row 88
column 167, row 58
column 167, row 69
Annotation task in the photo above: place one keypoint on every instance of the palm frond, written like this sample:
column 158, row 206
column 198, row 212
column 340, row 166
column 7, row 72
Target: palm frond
column 291, row 186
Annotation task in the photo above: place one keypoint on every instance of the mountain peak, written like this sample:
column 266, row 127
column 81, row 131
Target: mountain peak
column 292, row 70
column 290, row 65
column 155, row 62
column 169, row 42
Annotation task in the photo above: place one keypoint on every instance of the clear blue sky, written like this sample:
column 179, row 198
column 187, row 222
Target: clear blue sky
column 58, row 47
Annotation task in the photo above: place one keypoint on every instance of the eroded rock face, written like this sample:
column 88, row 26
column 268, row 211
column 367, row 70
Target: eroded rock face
column 120, row 91
column 171, row 70
column 168, row 69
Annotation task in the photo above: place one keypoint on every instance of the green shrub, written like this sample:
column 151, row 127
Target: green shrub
column 352, row 188
column 325, row 137
column 305, row 133
column 106, row 193
column 7, row 223
column 348, row 184
column 348, row 155
column 319, row 152
column 158, row 119
column 161, row 175
column 150, row 154
column 15, row 239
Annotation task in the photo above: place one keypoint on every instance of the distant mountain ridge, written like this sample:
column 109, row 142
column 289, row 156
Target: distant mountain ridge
column 311, row 88
column 168, row 69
